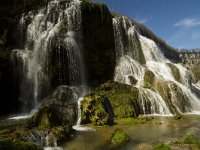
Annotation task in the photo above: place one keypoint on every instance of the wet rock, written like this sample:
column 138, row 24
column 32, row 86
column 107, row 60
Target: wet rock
column 60, row 108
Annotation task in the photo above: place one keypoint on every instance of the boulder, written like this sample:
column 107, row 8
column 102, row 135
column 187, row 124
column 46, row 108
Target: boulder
column 60, row 108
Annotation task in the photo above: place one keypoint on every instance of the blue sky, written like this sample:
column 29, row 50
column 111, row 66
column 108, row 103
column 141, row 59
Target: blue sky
column 175, row 21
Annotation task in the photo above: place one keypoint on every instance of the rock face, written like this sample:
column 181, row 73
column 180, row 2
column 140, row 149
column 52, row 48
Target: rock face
column 10, row 12
column 59, row 108
column 8, row 85
column 98, row 43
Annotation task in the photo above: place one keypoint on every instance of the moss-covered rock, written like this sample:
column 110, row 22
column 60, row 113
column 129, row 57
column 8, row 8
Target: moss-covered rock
column 175, row 72
column 173, row 96
column 119, row 137
column 148, row 79
column 10, row 144
column 94, row 110
column 111, row 100
column 60, row 108
column 59, row 135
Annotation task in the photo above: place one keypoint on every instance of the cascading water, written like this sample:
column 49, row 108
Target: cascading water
column 52, row 47
column 158, row 64
column 129, row 70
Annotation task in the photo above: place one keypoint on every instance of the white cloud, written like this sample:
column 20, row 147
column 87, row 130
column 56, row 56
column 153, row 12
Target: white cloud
column 188, row 22
column 143, row 20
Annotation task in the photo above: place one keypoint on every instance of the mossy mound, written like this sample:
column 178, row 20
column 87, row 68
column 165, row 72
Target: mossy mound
column 119, row 137
column 10, row 140
column 111, row 100
column 149, row 78
column 94, row 110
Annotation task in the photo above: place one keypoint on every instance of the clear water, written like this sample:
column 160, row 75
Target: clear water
column 160, row 130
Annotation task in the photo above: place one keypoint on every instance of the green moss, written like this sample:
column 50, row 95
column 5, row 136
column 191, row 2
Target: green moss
column 59, row 134
column 161, row 147
column 10, row 144
column 44, row 119
column 128, row 121
column 173, row 96
column 119, row 137
column 148, row 79
column 175, row 72
column 111, row 100
column 94, row 110
column 191, row 139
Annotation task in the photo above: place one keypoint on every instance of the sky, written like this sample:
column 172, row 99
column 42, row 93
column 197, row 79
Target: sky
column 175, row 21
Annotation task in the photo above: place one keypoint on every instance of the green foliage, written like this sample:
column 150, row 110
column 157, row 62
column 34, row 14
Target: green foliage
column 119, row 137
column 161, row 147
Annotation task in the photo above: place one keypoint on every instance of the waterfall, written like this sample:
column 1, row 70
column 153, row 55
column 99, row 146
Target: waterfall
column 156, row 104
column 130, row 70
column 158, row 64
column 52, row 51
